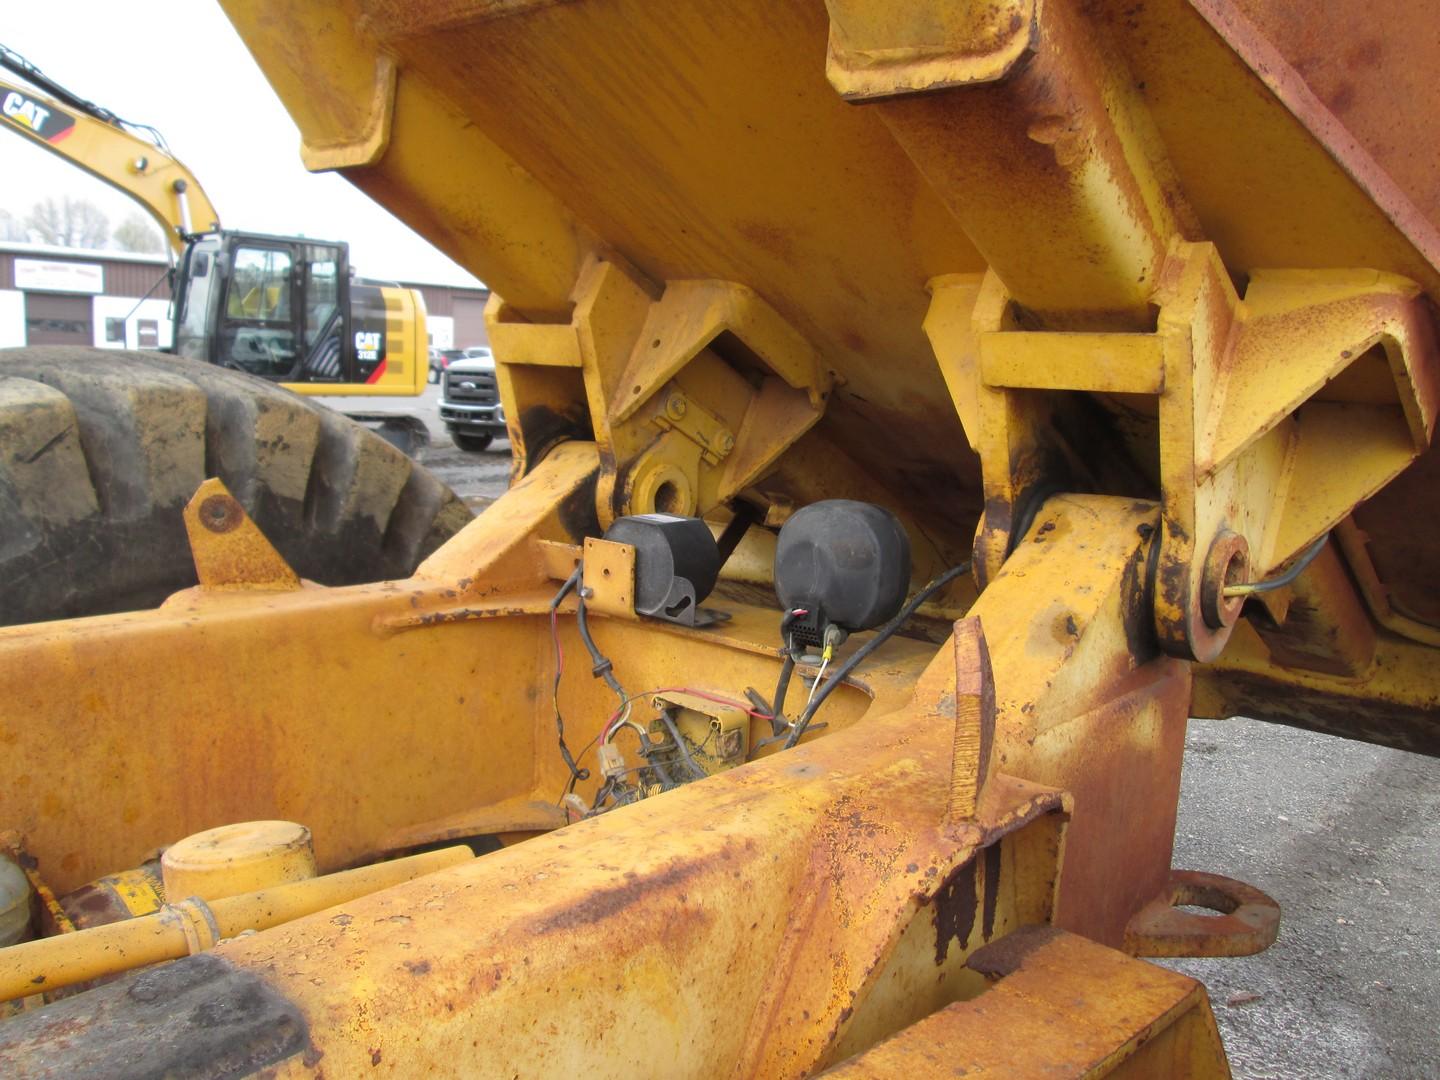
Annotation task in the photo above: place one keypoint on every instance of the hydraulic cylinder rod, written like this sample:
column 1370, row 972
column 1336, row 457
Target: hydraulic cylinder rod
column 193, row 925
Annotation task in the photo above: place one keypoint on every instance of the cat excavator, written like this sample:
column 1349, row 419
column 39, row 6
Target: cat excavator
column 92, row 520
column 285, row 308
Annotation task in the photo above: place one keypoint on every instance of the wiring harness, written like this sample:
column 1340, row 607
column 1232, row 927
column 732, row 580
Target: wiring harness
column 819, row 693
column 667, row 756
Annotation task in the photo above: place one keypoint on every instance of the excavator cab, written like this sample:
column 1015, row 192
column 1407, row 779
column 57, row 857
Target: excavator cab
column 271, row 306
column 287, row 309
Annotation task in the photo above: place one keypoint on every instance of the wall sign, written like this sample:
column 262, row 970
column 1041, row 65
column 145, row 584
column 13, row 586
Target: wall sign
column 39, row 275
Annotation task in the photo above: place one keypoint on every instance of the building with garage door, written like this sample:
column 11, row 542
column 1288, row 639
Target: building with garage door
column 119, row 300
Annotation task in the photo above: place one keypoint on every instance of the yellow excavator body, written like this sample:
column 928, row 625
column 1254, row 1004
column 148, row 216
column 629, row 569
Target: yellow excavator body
column 373, row 344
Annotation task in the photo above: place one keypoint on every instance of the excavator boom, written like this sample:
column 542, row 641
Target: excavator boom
column 103, row 145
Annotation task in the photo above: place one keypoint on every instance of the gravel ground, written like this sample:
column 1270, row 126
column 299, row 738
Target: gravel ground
column 477, row 478
column 1344, row 835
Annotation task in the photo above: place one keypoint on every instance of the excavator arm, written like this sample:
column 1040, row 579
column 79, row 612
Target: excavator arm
column 106, row 147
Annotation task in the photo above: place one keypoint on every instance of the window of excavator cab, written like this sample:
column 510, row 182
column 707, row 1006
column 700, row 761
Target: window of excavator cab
column 322, row 295
column 258, row 332
column 260, row 286
column 192, row 332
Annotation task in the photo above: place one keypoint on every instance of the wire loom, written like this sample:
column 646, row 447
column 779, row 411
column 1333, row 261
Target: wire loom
column 603, row 668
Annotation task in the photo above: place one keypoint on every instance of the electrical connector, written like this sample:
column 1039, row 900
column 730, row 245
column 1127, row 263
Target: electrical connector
column 612, row 762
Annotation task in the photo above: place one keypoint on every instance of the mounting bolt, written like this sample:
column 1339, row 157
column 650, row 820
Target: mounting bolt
column 220, row 513
column 676, row 406
column 726, row 441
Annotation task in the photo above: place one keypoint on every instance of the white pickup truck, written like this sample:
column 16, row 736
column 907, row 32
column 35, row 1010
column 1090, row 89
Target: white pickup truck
column 470, row 401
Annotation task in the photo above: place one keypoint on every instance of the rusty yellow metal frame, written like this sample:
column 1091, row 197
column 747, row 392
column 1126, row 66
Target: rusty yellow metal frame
column 1042, row 979
column 864, row 866
column 1063, row 301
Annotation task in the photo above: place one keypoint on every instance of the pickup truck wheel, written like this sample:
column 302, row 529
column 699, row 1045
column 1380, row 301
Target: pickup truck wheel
column 472, row 442
column 100, row 450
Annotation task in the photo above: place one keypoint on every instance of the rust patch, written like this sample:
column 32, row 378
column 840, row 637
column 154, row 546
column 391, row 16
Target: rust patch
column 1246, row 920
column 992, row 890
column 1007, row 956
column 220, row 513
column 603, row 904
column 1364, row 56
column 1342, row 99
column 955, row 906
column 1065, row 629
column 1137, row 596
column 771, row 238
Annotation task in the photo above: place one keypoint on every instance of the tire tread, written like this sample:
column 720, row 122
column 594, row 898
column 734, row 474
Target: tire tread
column 100, row 451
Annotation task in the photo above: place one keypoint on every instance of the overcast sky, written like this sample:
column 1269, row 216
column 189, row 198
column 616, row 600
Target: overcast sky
column 179, row 66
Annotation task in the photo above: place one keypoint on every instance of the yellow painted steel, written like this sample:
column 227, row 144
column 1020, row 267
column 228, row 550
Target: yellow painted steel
column 193, row 925
column 166, row 189
column 1141, row 1021
column 239, row 858
column 229, row 551
column 1130, row 324
column 407, row 353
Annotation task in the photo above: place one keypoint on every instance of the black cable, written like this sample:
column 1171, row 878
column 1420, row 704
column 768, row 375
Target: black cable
column 606, row 790
column 782, row 686
column 1280, row 581
column 777, row 708
column 647, row 747
column 576, row 773
column 881, row 636
column 695, row 770
column 602, row 669
column 666, row 780
column 581, row 757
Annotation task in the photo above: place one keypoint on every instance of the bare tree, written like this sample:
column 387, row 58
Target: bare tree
column 69, row 223
column 136, row 233
column 12, row 229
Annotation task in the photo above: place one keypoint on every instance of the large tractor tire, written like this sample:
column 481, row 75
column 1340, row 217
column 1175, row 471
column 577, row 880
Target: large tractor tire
column 101, row 450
